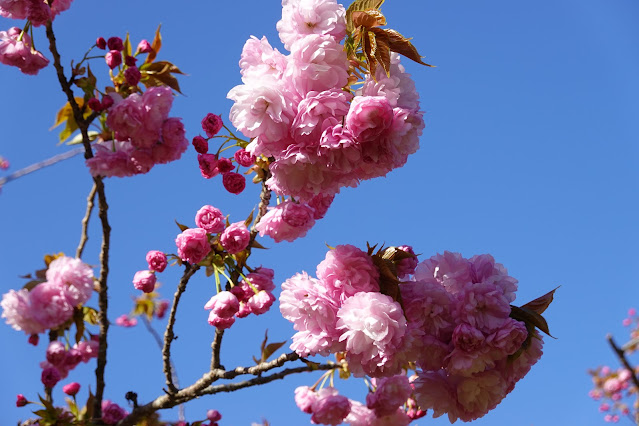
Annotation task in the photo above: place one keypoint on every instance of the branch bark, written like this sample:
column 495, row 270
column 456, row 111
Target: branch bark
column 85, row 222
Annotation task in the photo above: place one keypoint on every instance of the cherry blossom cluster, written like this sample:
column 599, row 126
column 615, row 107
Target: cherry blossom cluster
column 60, row 360
column 252, row 295
column 144, row 135
column 300, row 112
column 450, row 316
column 16, row 46
column 49, row 304
column 212, row 165
column 614, row 389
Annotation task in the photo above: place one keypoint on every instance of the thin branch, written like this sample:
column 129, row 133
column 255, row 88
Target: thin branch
column 622, row 358
column 40, row 165
column 103, row 301
column 202, row 386
column 169, row 336
column 216, row 346
column 85, row 222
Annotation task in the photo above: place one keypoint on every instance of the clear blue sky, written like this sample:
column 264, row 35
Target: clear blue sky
column 530, row 154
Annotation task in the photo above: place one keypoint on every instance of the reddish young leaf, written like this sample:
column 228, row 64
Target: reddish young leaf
column 540, row 304
column 400, row 44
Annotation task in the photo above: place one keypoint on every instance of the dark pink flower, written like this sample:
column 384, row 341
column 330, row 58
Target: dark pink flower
column 235, row 238
column 21, row 401
column 112, row 413
column 56, row 353
column 208, row 163
column 113, row 58
column 50, row 377
column 234, row 182
column 161, row 308
column 224, row 304
column 34, row 339
column 244, row 158
column 213, row 415
column 114, row 43
column 132, row 75
column 200, row 144
column 101, row 43
column 211, row 124
column 144, row 47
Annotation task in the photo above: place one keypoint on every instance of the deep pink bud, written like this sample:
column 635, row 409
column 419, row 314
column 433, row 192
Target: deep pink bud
column 107, row 102
column 244, row 158
column 113, row 58
column 144, row 47
column 71, row 389
column 224, row 165
column 161, row 309
column 115, row 43
column 21, row 401
column 234, row 182
column 145, row 281
column 211, row 124
column 95, row 104
column 56, row 353
column 132, row 75
column 50, row 376
column 200, row 144
column 213, row 415
column 101, row 43
column 34, row 339
column 208, row 163
column 130, row 61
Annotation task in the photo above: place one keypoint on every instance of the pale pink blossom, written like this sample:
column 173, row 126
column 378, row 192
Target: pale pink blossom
column 261, row 302
column 56, row 353
column 320, row 205
column 342, row 153
column 173, row 133
column 390, row 394
column 398, row 87
column 210, row 219
column 21, row 53
column 433, row 390
column 261, row 62
column 18, row 312
column 89, row 349
column 125, row 321
column 303, row 17
column 509, row 338
column 193, row 245
column 304, row 398
column 288, row 221
column 406, row 267
column 428, row 306
column 49, row 305
column 317, row 63
column 224, row 304
column 235, row 238
column 220, row 322
column 329, row 408
column 304, row 302
column 316, row 112
column 372, row 325
column 75, row 275
column 369, row 117
column 346, row 271
column 482, row 305
column 479, row 394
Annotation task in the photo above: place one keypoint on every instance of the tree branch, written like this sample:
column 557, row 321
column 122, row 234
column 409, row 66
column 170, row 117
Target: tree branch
column 85, row 222
column 168, row 334
column 622, row 358
column 216, row 346
column 103, row 301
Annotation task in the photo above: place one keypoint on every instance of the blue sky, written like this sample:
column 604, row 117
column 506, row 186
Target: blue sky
column 529, row 154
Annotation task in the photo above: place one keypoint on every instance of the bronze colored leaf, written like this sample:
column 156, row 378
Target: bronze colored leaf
column 382, row 52
column 368, row 18
column 530, row 317
column 540, row 304
column 155, row 46
column 400, row 44
column 369, row 46
column 358, row 6
column 182, row 227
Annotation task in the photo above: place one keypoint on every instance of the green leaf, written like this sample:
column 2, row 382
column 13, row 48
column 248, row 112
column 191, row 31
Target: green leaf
column 78, row 319
column 90, row 315
column 126, row 46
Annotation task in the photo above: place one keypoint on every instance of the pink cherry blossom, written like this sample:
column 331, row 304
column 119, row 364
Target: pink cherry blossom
column 261, row 302
column 329, row 408
column 346, row 271
column 211, row 124
column 210, row 219
column 49, row 304
column 304, row 398
column 20, row 53
column 235, row 238
column 56, row 353
column 71, row 388
column 156, row 260
column 112, row 412
column 18, row 312
column 304, row 17
column 193, row 245
column 224, row 304
column 50, row 377
column 316, row 112
column 145, row 281
column 288, row 221
column 390, row 394
column 320, row 205
column 233, row 182
column 125, row 321
column 75, row 276
column 369, row 117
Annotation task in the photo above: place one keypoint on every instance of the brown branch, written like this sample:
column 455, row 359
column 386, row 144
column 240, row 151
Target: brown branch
column 622, row 358
column 103, row 302
column 169, row 336
column 85, row 222
column 216, row 346
column 202, row 386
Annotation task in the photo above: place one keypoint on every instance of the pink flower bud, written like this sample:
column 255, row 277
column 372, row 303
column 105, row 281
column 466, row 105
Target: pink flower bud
column 107, row 102
column 50, row 377
column 208, row 163
column 113, row 58
column 156, row 260
column 115, row 43
column 95, row 104
column 161, row 309
column 234, row 182
column 244, row 158
column 213, row 415
column 34, row 339
column 71, row 389
column 144, row 47
column 56, row 353
column 21, row 401
column 145, row 281
column 201, row 145
column 132, row 76
column 211, row 124
column 124, row 321
column 101, row 43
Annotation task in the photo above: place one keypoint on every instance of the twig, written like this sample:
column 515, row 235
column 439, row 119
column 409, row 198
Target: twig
column 216, row 346
column 202, row 386
column 85, row 222
column 103, row 302
column 40, row 165
column 622, row 358
column 168, row 334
